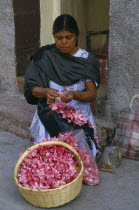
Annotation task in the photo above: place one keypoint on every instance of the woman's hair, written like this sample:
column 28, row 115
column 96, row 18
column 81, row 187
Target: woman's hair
column 65, row 22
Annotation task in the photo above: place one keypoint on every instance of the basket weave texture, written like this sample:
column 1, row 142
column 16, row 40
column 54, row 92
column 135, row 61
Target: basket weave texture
column 51, row 197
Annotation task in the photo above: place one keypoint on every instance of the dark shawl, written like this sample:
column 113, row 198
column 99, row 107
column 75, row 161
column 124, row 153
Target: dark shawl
column 50, row 64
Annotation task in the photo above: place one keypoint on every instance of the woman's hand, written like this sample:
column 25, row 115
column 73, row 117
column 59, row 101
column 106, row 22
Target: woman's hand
column 68, row 96
column 51, row 95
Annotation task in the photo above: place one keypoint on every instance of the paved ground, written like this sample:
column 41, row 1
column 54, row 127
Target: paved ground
column 117, row 191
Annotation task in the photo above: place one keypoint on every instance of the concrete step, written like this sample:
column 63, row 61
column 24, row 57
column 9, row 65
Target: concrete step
column 16, row 116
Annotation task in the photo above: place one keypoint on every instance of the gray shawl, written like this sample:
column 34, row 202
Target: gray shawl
column 50, row 64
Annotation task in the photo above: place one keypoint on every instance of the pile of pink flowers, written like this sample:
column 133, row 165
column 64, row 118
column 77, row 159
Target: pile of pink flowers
column 48, row 167
column 53, row 166
column 91, row 173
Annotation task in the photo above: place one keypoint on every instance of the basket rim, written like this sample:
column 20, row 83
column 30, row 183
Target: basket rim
column 20, row 160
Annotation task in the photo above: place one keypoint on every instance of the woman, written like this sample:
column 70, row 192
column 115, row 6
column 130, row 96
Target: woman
column 63, row 67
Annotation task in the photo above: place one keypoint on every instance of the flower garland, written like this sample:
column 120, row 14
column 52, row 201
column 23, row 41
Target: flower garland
column 69, row 113
column 77, row 117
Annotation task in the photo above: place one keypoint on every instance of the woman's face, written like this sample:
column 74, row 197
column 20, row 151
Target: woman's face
column 66, row 42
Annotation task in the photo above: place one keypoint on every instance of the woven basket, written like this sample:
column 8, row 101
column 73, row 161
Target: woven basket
column 51, row 197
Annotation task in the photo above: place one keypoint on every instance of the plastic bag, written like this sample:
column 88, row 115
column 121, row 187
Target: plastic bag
column 91, row 173
column 111, row 158
column 127, row 130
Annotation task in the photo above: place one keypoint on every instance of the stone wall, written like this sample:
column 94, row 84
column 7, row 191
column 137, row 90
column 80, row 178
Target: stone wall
column 7, row 49
column 123, row 81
